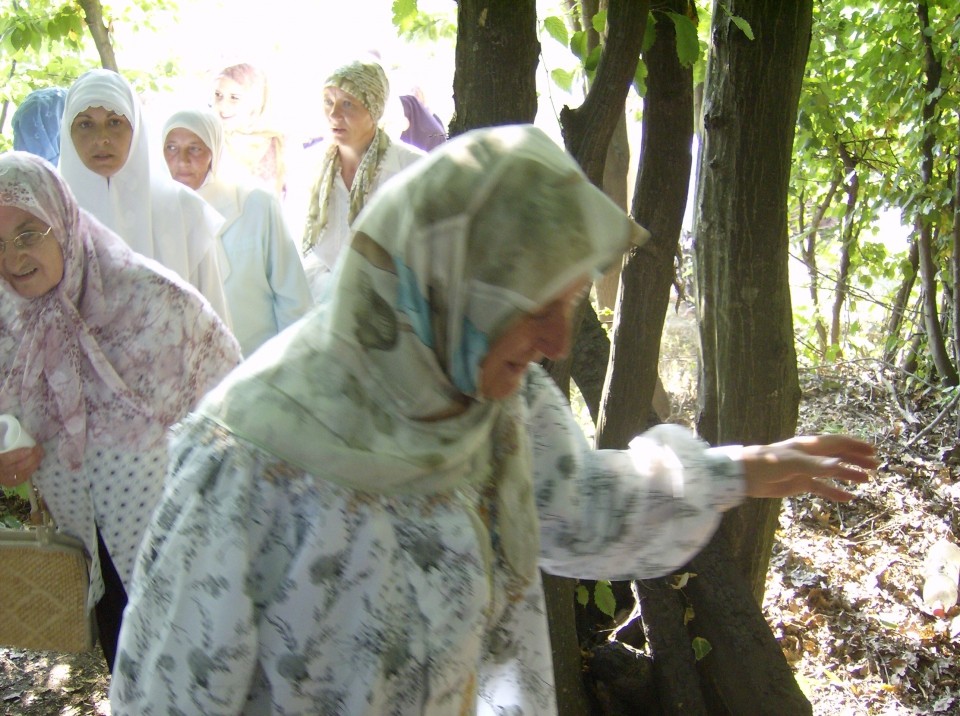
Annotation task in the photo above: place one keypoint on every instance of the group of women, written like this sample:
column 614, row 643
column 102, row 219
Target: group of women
column 352, row 519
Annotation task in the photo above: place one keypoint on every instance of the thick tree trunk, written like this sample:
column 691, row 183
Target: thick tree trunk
column 93, row 15
column 659, row 202
column 745, row 671
column 496, row 61
column 749, row 385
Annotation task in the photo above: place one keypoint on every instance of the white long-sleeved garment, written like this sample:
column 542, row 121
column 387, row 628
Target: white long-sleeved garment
column 264, row 590
column 263, row 278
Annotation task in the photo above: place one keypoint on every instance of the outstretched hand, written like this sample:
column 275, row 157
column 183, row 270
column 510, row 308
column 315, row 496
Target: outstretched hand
column 800, row 465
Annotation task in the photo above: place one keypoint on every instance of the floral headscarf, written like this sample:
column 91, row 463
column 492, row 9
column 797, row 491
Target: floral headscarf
column 366, row 81
column 492, row 224
column 119, row 350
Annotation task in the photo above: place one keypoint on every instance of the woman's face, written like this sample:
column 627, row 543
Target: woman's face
column 102, row 138
column 533, row 336
column 31, row 271
column 351, row 124
column 188, row 158
column 236, row 104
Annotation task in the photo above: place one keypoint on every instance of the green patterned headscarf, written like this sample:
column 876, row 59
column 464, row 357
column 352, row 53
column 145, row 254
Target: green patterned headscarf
column 490, row 225
column 365, row 80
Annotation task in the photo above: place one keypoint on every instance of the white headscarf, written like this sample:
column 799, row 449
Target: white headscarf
column 154, row 214
column 223, row 195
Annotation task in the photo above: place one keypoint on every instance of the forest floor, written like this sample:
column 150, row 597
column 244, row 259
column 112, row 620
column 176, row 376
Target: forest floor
column 843, row 593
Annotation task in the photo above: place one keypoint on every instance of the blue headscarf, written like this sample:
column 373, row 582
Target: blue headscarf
column 36, row 123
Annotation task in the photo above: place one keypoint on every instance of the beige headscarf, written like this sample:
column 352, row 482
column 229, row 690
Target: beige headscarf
column 491, row 225
column 365, row 80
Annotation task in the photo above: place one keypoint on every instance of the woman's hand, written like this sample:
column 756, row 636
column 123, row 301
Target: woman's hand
column 798, row 465
column 17, row 466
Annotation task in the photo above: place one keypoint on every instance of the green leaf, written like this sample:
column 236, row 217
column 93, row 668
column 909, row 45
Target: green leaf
column 404, row 13
column 701, row 647
column 599, row 21
column 402, row 9
column 688, row 44
column 640, row 78
column 590, row 64
column 563, row 79
column 603, row 596
column 578, row 44
column 583, row 596
column 557, row 29
column 743, row 25
column 739, row 22
column 649, row 32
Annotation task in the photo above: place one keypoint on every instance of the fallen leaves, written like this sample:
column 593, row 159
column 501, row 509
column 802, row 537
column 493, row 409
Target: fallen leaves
column 843, row 592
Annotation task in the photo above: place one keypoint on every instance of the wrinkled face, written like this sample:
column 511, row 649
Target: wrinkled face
column 31, row 271
column 188, row 158
column 102, row 138
column 351, row 124
column 236, row 104
column 545, row 333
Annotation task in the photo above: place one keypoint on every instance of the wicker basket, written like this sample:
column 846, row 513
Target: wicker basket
column 44, row 579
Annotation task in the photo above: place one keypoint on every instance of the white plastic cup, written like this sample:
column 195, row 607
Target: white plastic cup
column 12, row 435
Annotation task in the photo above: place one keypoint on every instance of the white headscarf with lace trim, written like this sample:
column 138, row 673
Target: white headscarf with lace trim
column 141, row 203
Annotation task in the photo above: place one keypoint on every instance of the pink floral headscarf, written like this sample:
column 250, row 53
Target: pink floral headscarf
column 119, row 350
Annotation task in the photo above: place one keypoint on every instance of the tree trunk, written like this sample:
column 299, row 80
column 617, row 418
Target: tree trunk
column 93, row 15
column 810, row 260
column 955, row 257
column 659, row 202
column 749, row 385
column 615, row 186
column 745, row 671
column 899, row 308
column 847, row 245
column 496, row 61
column 933, row 70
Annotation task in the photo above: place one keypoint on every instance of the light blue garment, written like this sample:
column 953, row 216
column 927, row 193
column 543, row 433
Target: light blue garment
column 36, row 123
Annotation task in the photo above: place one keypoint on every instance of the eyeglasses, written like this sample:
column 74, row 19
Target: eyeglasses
column 26, row 240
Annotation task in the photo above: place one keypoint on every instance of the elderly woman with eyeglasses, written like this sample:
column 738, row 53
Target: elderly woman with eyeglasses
column 101, row 352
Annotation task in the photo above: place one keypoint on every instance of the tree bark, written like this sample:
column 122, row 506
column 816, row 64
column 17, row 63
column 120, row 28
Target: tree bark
column 659, row 202
column 933, row 70
column 810, row 260
column 749, row 388
column 745, row 671
column 848, row 237
column 496, row 61
column 899, row 308
column 93, row 15
column 587, row 130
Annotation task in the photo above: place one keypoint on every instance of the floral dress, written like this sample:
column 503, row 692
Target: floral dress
column 261, row 589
